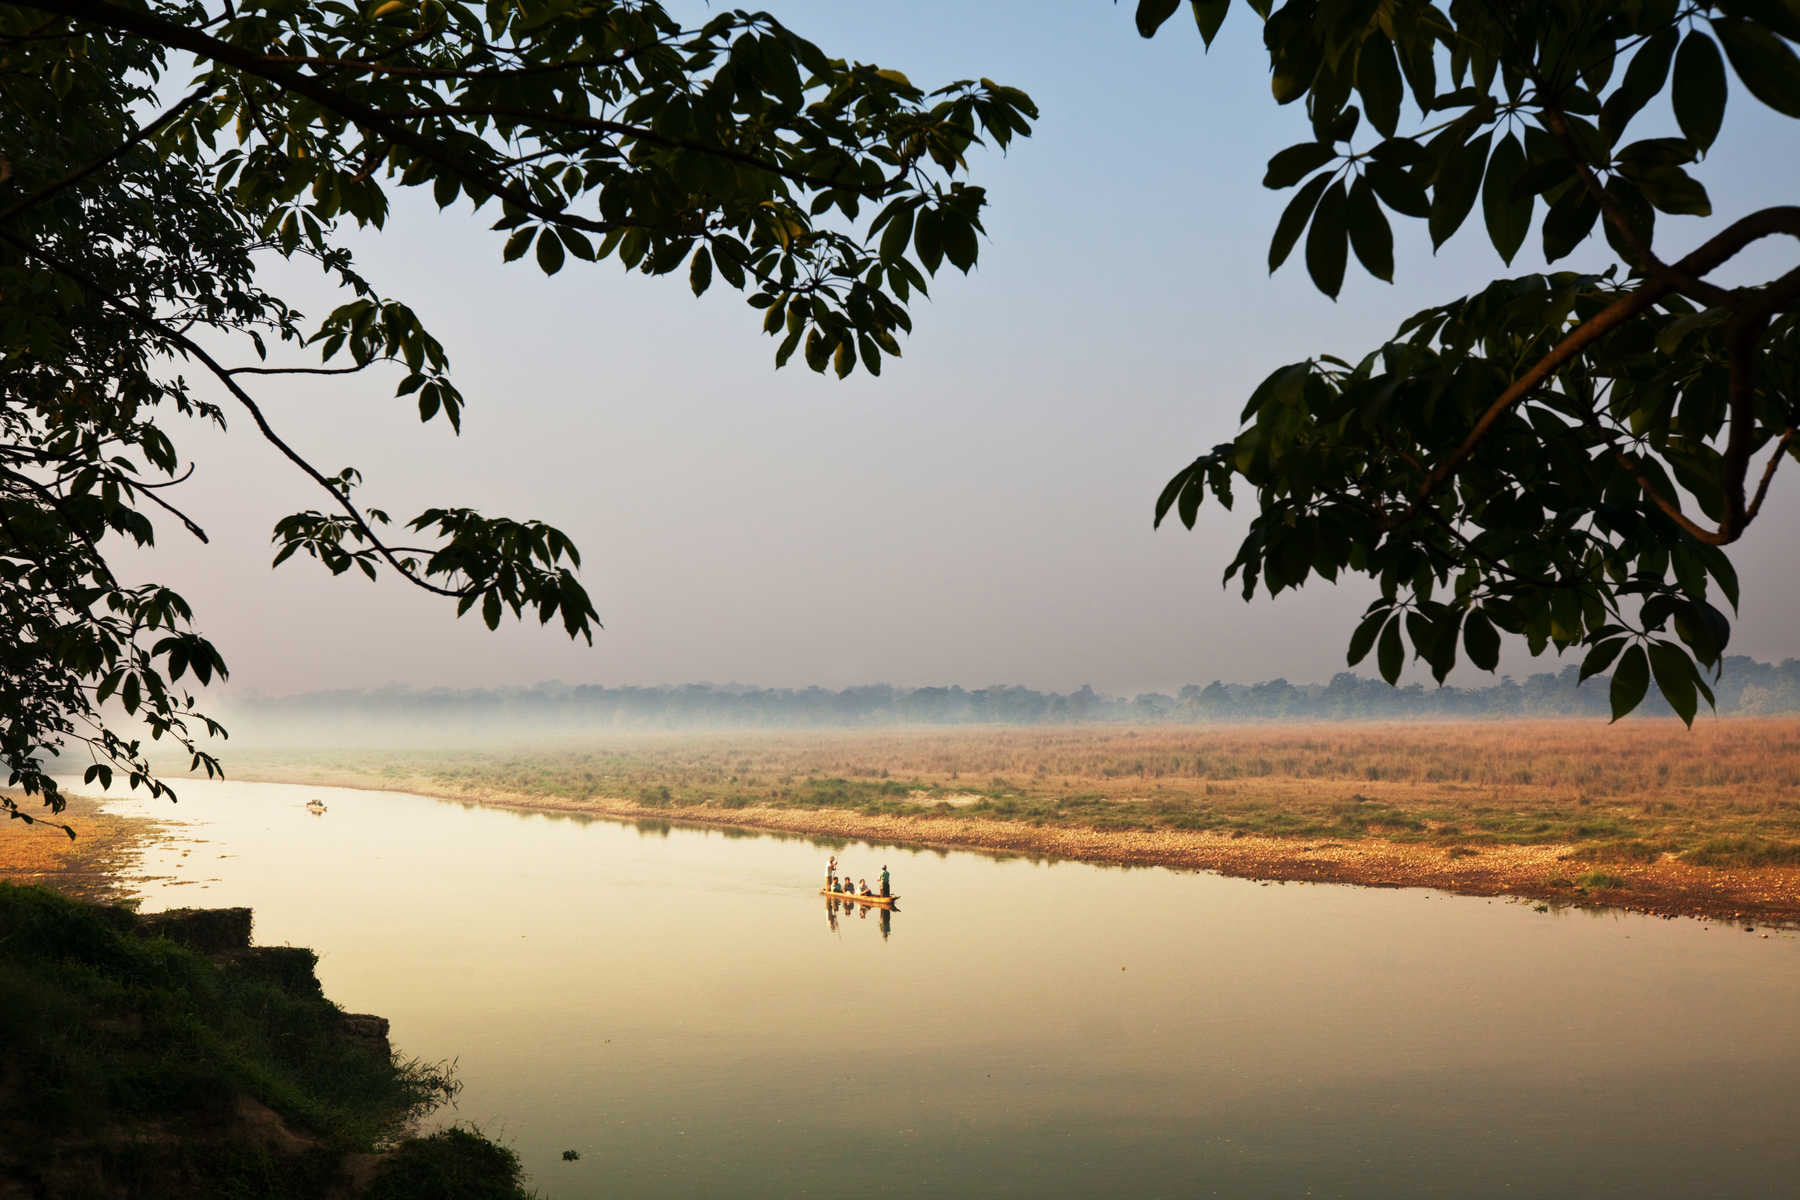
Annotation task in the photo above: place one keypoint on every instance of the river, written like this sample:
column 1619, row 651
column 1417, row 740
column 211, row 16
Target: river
column 679, row 1007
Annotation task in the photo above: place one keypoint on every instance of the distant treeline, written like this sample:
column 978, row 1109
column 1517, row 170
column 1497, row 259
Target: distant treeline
column 1746, row 687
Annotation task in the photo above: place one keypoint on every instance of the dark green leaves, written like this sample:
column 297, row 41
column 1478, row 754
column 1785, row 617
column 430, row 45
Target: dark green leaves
column 1482, row 641
column 518, row 243
column 1564, row 520
column 730, row 147
column 1766, row 64
column 1327, row 242
column 1370, row 235
column 1571, row 219
column 549, row 251
column 1390, row 653
column 1505, row 203
column 1673, row 190
column 1630, row 681
column 1675, row 678
column 1363, row 640
column 1294, row 218
column 1378, row 79
column 1699, row 91
column 1396, row 188
column 1152, row 13
column 1644, row 78
column 1290, row 166
column 1458, row 181
column 1209, row 15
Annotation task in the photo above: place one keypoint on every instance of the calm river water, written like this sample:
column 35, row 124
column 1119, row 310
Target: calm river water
column 679, row 1006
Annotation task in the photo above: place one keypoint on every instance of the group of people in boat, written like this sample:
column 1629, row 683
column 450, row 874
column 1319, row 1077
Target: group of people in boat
column 843, row 887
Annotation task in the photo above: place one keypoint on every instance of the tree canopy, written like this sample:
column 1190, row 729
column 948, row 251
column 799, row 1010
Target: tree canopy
column 157, row 152
column 1558, row 457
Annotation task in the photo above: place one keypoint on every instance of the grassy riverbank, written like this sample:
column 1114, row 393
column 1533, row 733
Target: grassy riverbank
column 1645, row 814
column 139, row 1065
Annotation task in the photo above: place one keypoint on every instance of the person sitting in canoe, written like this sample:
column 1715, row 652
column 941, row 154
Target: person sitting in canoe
column 863, row 888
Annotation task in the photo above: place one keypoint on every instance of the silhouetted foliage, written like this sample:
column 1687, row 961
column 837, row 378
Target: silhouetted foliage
column 1561, row 457
column 134, row 216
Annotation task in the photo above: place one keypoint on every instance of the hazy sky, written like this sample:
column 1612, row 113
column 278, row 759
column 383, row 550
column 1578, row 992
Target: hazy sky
column 981, row 513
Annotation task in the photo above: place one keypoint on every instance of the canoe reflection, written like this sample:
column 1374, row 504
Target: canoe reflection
column 884, row 914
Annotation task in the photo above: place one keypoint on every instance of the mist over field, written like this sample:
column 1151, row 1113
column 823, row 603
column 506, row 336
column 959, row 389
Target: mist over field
column 403, row 716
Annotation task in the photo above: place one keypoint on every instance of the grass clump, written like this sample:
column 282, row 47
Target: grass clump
column 1747, row 851
column 1600, row 881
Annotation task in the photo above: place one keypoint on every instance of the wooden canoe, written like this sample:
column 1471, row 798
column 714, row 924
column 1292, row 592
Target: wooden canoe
column 878, row 901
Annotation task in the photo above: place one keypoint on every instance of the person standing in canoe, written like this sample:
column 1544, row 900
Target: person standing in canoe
column 831, row 874
column 884, row 879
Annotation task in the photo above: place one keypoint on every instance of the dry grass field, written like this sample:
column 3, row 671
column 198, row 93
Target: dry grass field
column 1726, row 794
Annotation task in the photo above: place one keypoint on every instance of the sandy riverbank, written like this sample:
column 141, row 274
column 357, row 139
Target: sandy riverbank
column 1550, row 873
column 90, row 865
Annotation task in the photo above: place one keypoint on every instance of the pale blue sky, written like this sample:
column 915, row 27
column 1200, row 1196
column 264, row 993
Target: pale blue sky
column 981, row 513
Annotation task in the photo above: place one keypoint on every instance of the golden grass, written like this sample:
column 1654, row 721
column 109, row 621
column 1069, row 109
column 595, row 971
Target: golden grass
column 1727, row 792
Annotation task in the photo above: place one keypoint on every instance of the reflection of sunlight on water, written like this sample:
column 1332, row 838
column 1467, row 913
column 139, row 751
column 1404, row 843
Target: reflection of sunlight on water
column 665, row 999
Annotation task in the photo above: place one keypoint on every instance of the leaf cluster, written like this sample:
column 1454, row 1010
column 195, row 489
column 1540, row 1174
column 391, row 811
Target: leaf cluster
column 1557, row 458
column 133, row 226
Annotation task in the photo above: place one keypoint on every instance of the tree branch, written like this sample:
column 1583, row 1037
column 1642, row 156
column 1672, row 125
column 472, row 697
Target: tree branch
column 1717, row 250
column 105, row 160
column 196, row 351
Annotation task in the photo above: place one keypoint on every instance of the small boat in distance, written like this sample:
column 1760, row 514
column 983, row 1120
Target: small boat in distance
column 878, row 901
column 315, row 806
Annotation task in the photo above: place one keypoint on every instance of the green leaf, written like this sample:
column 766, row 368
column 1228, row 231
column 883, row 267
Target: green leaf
column 1505, row 205
column 817, row 350
column 516, row 245
column 1644, row 78
column 549, row 251
column 896, row 234
column 1378, row 80
column 926, row 242
column 1457, row 183
column 490, row 609
column 1673, row 190
column 960, row 245
column 1363, row 640
column 1327, row 242
column 786, row 350
column 1152, row 13
column 1675, row 678
column 1209, row 15
column 1390, row 654
column 1571, row 219
column 1397, row 188
column 700, row 271
column 1635, row 211
column 1699, row 94
column 1294, row 218
column 1290, row 166
column 1601, row 656
column 1481, row 640
column 1766, row 64
column 1370, row 235
column 1629, row 682
column 843, row 359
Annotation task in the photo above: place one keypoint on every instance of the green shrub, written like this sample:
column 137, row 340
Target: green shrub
column 451, row 1164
